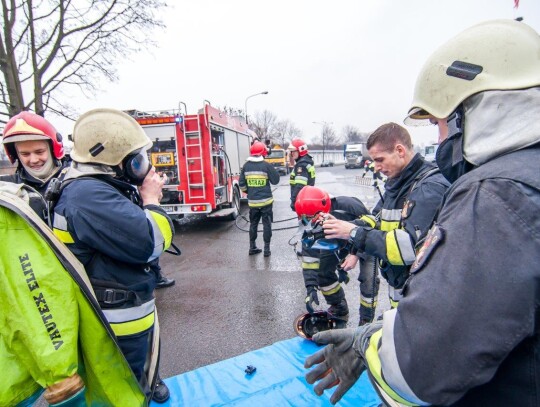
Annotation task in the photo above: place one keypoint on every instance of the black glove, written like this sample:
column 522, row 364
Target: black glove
column 341, row 362
column 343, row 276
column 311, row 298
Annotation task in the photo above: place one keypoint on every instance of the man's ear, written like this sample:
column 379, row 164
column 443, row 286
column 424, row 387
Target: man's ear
column 400, row 150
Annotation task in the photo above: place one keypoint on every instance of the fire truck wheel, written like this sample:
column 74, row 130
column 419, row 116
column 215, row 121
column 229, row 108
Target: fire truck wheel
column 235, row 204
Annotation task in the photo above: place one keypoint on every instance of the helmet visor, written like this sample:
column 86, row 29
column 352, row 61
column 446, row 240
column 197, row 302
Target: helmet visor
column 418, row 117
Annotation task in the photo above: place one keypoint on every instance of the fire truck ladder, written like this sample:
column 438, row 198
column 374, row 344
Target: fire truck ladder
column 194, row 159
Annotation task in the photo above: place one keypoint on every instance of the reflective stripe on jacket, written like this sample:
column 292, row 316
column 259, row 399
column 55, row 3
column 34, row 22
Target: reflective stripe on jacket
column 255, row 179
column 303, row 174
column 115, row 239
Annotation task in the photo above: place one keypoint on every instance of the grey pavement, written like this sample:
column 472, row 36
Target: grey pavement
column 226, row 302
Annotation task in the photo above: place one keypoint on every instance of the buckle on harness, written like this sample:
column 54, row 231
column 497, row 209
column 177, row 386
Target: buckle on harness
column 110, row 296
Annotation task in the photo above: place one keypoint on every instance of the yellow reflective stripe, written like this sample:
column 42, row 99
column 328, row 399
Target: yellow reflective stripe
column 393, row 252
column 311, row 171
column 369, row 220
column 260, row 203
column 367, row 303
column 133, row 327
column 393, row 303
column 64, row 236
column 310, row 266
column 387, row 226
column 164, row 228
column 302, row 181
column 374, row 366
column 332, row 291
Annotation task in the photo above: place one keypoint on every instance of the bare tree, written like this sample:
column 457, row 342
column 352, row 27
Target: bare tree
column 351, row 134
column 327, row 139
column 264, row 124
column 284, row 131
column 48, row 46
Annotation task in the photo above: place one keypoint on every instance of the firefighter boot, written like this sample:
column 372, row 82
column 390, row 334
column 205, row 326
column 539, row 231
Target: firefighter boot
column 161, row 392
column 366, row 315
column 340, row 313
column 253, row 249
column 267, row 251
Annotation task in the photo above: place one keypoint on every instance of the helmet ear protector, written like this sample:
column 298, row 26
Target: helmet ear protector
column 135, row 168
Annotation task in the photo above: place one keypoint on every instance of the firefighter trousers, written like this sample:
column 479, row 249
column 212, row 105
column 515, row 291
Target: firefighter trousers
column 255, row 215
column 369, row 287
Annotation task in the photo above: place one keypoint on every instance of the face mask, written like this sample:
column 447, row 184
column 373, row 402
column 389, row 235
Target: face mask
column 449, row 156
column 135, row 168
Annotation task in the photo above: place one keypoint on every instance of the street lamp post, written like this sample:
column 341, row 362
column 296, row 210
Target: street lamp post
column 249, row 97
column 323, row 135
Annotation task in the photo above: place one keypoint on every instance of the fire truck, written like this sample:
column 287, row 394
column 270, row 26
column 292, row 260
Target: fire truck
column 201, row 155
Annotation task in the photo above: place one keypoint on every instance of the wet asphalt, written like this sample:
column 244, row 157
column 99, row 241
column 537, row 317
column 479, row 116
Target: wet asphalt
column 225, row 302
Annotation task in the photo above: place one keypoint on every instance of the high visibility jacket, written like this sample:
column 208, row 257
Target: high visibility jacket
column 303, row 174
column 51, row 326
column 467, row 331
column 115, row 239
column 407, row 210
column 255, row 179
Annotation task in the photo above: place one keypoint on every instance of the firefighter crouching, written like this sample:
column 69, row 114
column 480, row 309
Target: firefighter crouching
column 304, row 169
column 321, row 268
column 255, row 179
column 114, row 228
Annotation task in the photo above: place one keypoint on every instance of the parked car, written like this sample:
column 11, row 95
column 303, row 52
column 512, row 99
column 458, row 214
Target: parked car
column 327, row 163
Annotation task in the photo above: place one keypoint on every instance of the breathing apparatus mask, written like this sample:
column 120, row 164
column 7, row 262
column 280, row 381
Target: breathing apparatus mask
column 449, row 156
column 135, row 168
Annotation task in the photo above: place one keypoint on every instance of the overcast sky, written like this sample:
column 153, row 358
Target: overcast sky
column 348, row 62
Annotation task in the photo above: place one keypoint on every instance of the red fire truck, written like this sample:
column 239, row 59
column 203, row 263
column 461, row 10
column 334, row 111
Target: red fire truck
column 202, row 155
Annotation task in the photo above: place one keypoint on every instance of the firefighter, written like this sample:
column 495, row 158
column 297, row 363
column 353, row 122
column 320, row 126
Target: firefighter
column 412, row 196
column 116, row 229
column 255, row 179
column 32, row 141
column 467, row 330
column 321, row 268
column 303, row 172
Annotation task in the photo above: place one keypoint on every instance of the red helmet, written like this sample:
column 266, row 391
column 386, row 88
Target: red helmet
column 27, row 126
column 312, row 200
column 298, row 145
column 258, row 148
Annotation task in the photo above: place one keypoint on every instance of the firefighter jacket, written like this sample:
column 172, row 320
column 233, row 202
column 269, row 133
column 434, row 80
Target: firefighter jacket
column 466, row 332
column 101, row 222
column 407, row 210
column 302, row 174
column 22, row 177
column 37, row 203
column 255, row 179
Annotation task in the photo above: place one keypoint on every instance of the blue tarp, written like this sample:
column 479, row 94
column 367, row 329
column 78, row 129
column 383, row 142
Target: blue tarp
column 278, row 381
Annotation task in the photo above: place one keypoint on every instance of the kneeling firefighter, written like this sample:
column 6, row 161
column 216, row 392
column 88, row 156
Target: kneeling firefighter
column 108, row 215
column 321, row 263
column 53, row 334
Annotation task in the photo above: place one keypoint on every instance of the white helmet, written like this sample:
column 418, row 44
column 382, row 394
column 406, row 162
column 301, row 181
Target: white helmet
column 107, row 136
column 494, row 55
